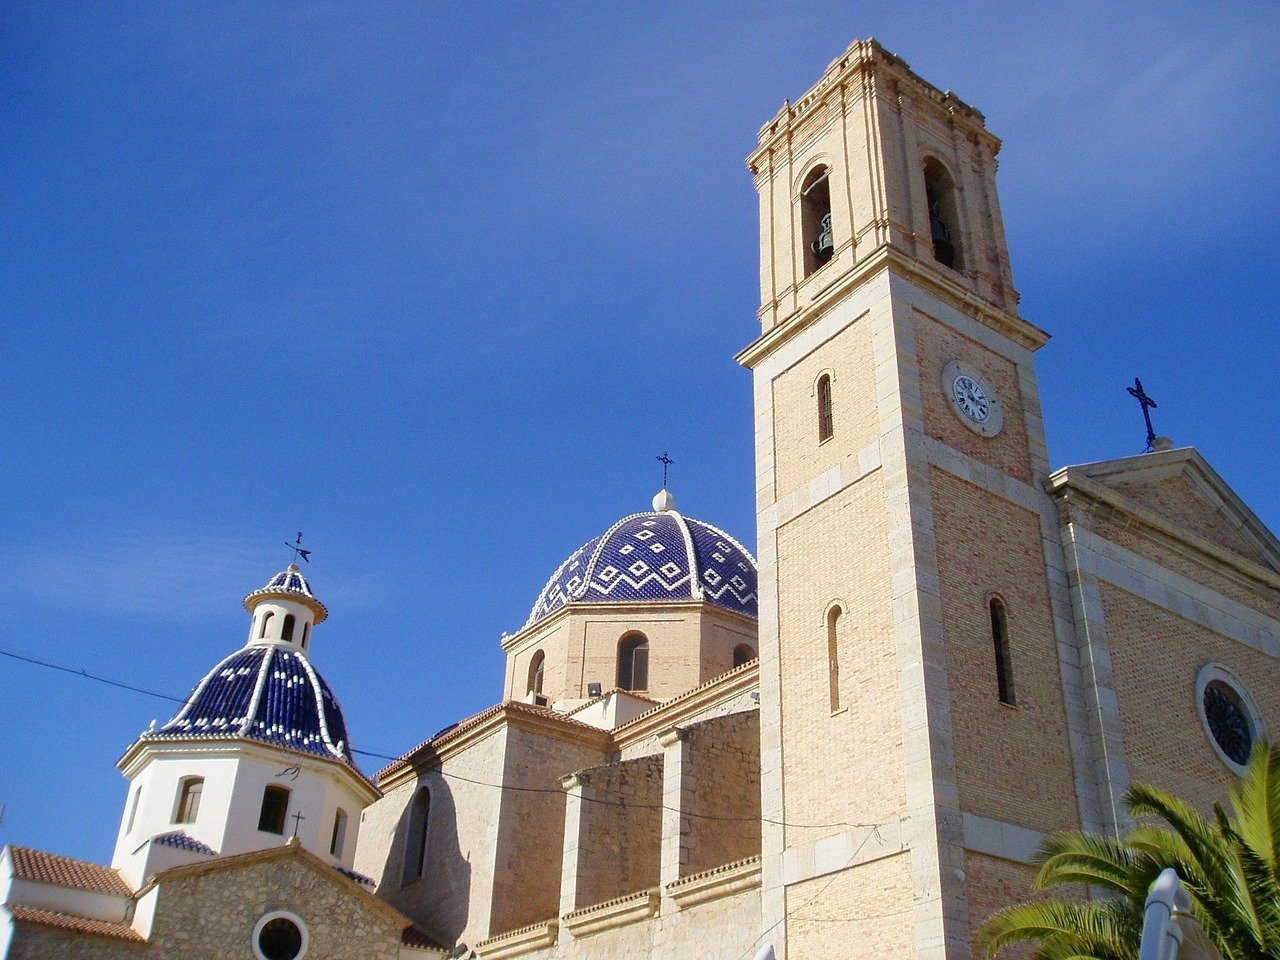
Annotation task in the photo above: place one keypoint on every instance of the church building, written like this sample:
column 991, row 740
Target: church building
column 848, row 742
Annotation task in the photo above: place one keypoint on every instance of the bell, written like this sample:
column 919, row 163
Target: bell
column 823, row 247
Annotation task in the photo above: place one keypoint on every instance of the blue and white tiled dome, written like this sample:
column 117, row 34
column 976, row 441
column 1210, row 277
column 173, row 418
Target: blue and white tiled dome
column 268, row 693
column 288, row 584
column 659, row 556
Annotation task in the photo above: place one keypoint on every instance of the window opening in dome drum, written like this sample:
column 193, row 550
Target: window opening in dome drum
column 262, row 634
column 633, row 662
column 280, row 939
column 275, row 804
column 187, row 806
column 536, row 673
column 1228, row 721
column 286, row 631
column 339, row 832
column 743, row 653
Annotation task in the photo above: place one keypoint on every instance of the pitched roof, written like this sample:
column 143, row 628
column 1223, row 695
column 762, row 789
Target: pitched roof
column 47, row 918
column 41, row 867
column 414, row 937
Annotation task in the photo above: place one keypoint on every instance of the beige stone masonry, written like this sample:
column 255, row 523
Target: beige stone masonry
column 515, row 943
column 618, row 912
column 722, row 881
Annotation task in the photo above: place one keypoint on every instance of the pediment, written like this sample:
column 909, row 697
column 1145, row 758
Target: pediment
column 1181, row 488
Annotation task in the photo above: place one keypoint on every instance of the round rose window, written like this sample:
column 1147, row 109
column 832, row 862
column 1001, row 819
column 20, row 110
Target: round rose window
column 280, row 936
column 1228, row 721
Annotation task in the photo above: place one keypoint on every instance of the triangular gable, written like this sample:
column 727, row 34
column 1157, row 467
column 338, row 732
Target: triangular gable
column 1180, row 487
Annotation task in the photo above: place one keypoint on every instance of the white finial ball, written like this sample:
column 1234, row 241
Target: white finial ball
column 664, row 502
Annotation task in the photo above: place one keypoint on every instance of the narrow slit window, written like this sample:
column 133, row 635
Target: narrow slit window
column 133, row 810
column 633, row 662
column 826, row 420
column 339, row 832
column 1004, row 663
column 275, row 804
column 187, row 806
column 417, row 837
column 833, row 656
column 306, row 628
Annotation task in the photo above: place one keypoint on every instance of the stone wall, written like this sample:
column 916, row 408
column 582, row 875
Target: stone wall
column 722, row 803
column 620, row 834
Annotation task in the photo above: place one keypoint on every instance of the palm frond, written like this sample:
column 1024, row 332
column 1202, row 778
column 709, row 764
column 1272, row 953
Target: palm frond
column 1101, row 929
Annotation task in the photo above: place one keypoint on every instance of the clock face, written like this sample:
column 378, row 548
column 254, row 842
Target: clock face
column 972, row 398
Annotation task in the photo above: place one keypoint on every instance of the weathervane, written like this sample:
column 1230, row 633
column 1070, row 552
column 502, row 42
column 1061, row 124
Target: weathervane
column 296, row 547
column 666, row 462
column 1140, row 395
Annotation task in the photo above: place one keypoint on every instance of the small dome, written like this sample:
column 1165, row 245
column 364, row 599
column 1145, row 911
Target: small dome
column 288, row 584
column 266, row 693
column 660, row 557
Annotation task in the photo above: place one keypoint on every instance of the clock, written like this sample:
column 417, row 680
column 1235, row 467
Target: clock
column 972, row 398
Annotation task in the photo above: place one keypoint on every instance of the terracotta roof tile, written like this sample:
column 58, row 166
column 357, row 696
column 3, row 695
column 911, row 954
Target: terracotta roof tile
column 63, row 921
column 41, row 867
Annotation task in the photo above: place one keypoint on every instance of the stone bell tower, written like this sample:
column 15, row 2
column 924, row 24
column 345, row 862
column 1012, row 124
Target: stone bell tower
column 917, row 714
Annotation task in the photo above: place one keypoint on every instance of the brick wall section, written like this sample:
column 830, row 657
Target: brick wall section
column 838, row 551
column 723, row 808
column 987, row 545
column 864, row 912
column 1176, row 498
column 721, row 633
column 800, row 457
column 937, row 346
column 1156, row 656
column 531, row 828
column 620, row 842
column 994, row 884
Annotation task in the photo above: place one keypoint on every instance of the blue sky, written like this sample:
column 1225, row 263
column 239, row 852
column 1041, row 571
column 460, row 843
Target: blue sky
column 435, row 283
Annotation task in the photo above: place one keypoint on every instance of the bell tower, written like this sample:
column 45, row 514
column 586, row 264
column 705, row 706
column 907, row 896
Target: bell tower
column 919, row 701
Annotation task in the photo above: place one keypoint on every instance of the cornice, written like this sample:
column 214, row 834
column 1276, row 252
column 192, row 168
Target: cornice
column 134, row 758
column 688, row 704
column 641, row 609
column 718, row 882
column 933, row 280
column 861, row 58
column 516, row 942
column 1072, row 486
column 449, row 743
column 612, row 913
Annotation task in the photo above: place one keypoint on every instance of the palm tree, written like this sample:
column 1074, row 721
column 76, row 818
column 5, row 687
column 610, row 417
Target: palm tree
column 1230, row 865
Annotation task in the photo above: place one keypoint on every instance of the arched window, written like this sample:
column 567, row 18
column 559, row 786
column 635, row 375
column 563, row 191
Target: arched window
column 833, row 655
column 339, row 832
column 187, row 804
column 133, row 810
column 633, row 662
column 815, row 219
column 826, row 422
column 306, row 628
column 265, row 620
column 275, row 804
column 1000, row 639
column 535, row 673
column 417, row 837
column 944, row 223
column 743, row 653
column 286, row 631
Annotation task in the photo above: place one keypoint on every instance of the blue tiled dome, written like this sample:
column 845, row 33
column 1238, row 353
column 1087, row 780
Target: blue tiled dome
column 659, row 556
column 269, row 693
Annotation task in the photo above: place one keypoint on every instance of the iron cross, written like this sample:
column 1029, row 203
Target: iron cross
column 296, row 547
column 297, row 818
column 666, row 462
column 1140, row 395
